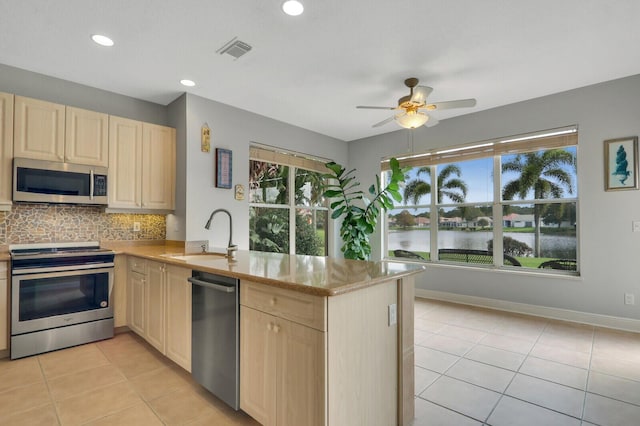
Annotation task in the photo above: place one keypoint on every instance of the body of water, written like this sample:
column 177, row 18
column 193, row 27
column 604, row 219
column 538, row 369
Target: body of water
column 556, row 246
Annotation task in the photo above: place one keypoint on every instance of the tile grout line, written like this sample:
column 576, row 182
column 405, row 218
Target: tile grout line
column 46, row 382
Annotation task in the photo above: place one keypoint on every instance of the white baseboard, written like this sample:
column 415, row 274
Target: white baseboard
column 607, row 321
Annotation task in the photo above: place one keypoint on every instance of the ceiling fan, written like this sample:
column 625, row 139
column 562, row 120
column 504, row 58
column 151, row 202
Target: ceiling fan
column 411, row 107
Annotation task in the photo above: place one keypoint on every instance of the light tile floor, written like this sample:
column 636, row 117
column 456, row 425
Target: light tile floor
column 478, row 366
column 473, row 367
column 121, row 381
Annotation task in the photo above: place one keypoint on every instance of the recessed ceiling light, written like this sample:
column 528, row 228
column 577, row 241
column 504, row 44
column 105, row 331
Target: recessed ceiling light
column 292, row 7
column 188, row 83
column 102, row 40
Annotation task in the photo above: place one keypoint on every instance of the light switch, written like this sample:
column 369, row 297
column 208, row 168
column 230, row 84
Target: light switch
column 636, row 225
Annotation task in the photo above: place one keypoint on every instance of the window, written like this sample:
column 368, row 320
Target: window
column 516, row 196
column 288, row 213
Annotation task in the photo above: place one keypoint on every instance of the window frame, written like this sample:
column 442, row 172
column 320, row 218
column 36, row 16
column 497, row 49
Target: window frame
column 294, row 161
column 561, row 138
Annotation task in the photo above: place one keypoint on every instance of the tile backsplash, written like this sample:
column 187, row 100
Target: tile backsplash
column 43, row 223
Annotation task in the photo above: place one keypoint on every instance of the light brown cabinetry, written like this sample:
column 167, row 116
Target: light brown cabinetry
column 136, row 306
column 282, row 362
column 119, row 291
column 38, row 129
column 178, row 316
column 141, row 165
column 4, row 307
column 160, row 307
column 86, row 137
column 155, row 304
column 6, row 149
column 49, row 131
column 315, row 360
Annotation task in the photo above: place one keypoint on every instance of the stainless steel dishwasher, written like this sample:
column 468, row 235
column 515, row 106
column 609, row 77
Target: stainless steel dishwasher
column 215, row 331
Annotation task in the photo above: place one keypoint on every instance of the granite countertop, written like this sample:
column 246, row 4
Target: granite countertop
column 322, row 276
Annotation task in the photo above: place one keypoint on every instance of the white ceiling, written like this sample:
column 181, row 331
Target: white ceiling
column 312, row 70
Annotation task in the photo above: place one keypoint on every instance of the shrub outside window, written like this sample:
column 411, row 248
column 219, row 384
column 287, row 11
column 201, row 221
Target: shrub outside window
column 287, row 213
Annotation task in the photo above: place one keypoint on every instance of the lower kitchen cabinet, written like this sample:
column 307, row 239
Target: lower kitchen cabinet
column 119, row 292
column 315, row 360
column 178, row 314
column 4, row 307
column 160, row 307
column 282, row 363
column 155, row 304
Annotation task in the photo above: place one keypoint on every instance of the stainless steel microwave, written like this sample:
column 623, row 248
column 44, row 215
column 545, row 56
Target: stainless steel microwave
column 39, row 181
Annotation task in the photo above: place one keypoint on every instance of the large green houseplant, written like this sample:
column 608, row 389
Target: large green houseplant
column 359, row 212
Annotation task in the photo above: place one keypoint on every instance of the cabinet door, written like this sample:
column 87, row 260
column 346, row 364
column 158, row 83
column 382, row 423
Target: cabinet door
column 300, row 374
column 6, row 149
column 4, row 308
column 154, row 305
column 38, row 129
column 158, row 167
column 136, row 303
column 125, row 157
column 119, row 291
column 258, row 365
column 87, row 137
column 179, row 316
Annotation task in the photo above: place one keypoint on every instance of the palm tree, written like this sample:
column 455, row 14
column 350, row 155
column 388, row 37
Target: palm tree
column 453, row 188
column 542, row 172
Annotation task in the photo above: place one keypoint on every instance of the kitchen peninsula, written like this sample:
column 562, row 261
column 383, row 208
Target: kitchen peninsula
column 324, row 341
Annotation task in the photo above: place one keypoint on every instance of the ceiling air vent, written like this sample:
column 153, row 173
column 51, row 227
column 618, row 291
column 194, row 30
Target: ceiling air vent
column 235, row 48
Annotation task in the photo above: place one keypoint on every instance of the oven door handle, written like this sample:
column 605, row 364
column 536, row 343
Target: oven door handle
column 61, row 268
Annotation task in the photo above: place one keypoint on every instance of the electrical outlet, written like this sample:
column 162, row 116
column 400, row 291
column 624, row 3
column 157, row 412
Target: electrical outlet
column 136, row 226
column 393, row 314
column 635, row 225
column 629, row 299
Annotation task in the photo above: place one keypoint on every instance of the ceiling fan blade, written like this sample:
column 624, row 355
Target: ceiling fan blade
column 432, row 121
column 460, row 103
column 375, row 107
column 420, row 94
column 383, row 122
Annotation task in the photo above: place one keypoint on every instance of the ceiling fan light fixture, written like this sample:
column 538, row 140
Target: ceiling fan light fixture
column 412, row 120
column 292, row 7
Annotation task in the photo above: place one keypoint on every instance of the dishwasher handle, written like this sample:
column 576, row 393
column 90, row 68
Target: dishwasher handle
column 212, row 286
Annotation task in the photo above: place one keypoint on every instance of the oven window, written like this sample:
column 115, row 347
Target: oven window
column 51, row 296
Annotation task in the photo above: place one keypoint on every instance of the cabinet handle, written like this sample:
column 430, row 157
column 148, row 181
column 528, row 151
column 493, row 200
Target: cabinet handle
column 269, row 326
column 272, row 301
column 276, row 328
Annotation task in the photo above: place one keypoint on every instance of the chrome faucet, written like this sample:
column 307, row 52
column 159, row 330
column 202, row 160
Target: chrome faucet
column 231, row 248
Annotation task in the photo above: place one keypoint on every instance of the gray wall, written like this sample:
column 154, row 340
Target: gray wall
column 39, row 86
column 608, row 249
column 177, row 112
column 235, row 129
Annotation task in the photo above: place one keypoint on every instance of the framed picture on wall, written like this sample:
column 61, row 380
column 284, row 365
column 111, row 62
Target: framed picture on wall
column 224, row 168
column 621, row 164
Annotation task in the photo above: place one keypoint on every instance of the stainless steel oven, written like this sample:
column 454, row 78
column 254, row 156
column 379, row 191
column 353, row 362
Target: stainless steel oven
column 60, row 296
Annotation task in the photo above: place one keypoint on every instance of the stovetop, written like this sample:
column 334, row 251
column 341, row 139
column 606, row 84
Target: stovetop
column 57, row 249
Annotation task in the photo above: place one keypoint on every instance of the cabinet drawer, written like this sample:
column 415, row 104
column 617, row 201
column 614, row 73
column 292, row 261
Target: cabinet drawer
column 299, row 307
column 137, row 264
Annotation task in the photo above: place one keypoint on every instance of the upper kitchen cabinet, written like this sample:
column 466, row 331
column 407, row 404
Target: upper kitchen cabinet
column 38, row 129
column 141, row 165
column 125, row 163
column 6, row 149
column 53, row 132
column 158, row 166
column 86, row 137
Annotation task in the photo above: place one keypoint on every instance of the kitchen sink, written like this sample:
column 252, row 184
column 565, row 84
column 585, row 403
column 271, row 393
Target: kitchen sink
column 196, row 257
